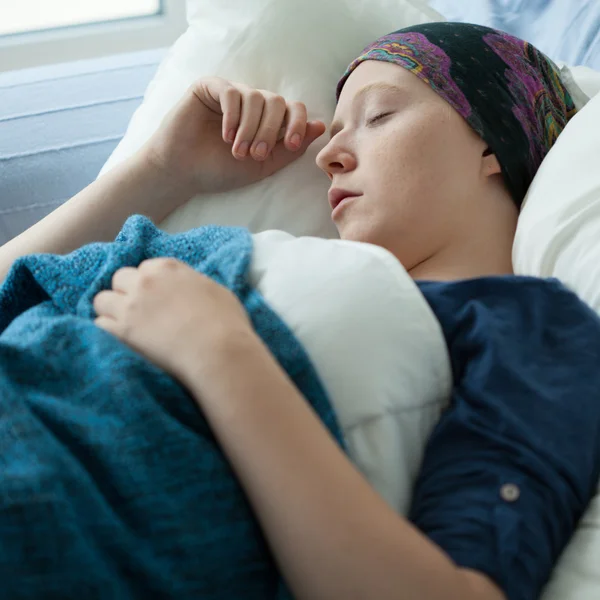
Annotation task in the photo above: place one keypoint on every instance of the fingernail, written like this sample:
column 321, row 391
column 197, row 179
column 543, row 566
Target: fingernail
column 296, row 140
column 231, row 136
column 243, row 149
column 261, row 150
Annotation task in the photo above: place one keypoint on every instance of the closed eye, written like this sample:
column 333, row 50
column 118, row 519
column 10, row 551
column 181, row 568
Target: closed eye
column 378, row 118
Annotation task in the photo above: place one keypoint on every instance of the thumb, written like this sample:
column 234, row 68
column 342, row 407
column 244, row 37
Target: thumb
column 281, row 156
column 314, row 130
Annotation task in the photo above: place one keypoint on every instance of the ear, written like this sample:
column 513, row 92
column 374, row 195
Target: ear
column 489, row 163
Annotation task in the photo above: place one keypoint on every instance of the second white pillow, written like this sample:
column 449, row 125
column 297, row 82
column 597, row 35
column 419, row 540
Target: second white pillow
column 297, row 49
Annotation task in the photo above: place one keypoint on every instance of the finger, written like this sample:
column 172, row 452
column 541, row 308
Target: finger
column 296, row 128
column 108, row 304
column 314, row 130
column 253, row 103
column 123, row 279
column 208, row 90
column 273, row 117
column 108, row 324
column 223, row 98
column 281, row 156
column 231, row 105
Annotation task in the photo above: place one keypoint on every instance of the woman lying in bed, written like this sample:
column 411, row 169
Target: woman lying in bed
column 438, row 133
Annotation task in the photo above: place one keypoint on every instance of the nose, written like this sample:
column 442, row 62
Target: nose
column 336, row 158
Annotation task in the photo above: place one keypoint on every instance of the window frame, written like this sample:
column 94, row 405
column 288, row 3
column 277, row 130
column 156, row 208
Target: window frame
column 93, row 40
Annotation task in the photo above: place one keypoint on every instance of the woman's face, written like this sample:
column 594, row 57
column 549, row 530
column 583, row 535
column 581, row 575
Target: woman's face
column 415, row 162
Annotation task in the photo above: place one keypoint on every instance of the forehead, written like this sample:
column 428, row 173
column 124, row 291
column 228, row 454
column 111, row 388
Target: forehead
column 373, row 71
column 375, row 77
column 377, row 72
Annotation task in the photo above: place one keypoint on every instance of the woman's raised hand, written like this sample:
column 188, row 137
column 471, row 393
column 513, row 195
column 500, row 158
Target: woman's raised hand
column 224, row 135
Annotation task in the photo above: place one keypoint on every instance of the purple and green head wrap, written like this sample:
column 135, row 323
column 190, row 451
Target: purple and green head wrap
column 508, row 91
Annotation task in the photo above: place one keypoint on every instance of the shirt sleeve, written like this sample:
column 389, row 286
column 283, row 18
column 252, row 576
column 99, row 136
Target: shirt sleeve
column 514, row 461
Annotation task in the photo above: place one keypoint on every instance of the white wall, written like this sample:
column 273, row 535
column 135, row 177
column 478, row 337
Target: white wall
column 95, row 40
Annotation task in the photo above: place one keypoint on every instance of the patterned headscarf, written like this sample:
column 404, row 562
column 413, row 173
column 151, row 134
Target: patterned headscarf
column 508, row 91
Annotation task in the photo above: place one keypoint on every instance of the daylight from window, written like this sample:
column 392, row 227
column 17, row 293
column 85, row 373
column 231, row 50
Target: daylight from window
column 20, row 16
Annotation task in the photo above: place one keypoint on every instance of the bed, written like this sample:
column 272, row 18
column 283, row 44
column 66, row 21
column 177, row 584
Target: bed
column 58, row 125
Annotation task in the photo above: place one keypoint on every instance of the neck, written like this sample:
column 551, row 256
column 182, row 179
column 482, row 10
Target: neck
column 487, row 255
column 439, row 268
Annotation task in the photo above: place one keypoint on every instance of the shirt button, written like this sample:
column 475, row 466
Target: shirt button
column 510, row 492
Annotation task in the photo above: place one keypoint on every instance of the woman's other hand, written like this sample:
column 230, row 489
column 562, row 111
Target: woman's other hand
column 224, row 135
column 180, row 332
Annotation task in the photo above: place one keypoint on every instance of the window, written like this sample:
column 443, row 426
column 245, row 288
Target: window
column 42, row 32
column 35, row 15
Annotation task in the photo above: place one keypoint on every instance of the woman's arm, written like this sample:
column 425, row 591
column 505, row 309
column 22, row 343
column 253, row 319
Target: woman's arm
column 98, row 212
column 189, row 156
column 332, row 535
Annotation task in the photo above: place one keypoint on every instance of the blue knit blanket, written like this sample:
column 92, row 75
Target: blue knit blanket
column 112, row 484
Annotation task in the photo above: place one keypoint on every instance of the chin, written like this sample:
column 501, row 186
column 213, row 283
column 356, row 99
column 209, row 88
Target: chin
column 357, row 233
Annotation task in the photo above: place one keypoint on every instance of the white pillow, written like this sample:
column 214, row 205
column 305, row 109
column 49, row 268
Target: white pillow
column 374, row 341
column 558, row 235
column 582, row 82
column 298, row 49
column 587, row 79
column 577, row 577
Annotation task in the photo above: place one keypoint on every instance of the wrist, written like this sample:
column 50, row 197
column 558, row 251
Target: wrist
column 176, row 186
column 203, row 369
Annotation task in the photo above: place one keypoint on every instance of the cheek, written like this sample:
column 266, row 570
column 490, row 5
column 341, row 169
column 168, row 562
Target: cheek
column 417, row 173
column 408, row 160
column 441, row 159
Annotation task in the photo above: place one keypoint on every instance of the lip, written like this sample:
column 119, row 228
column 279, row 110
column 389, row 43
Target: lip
column 340, row 206
column 336, row 195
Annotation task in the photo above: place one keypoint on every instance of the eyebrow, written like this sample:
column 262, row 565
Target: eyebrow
column 378, row 86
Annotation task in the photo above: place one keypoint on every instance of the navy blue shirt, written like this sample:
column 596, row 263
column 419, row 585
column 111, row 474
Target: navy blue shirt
column 515, row 460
